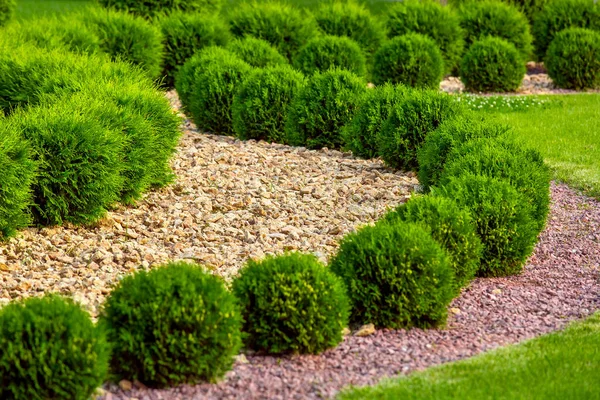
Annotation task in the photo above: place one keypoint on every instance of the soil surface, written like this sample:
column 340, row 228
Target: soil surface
column 559, row 284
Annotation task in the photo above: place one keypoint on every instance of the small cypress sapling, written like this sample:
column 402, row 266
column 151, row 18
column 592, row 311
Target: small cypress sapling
column 353, row 20
column 185, row 34
column 173, row 325
column 451, row 226
column 360, row 134
column 397, row 276
column 326, row 52
column 50, row 350
column 207, row 84
column 17, row 174
column 431, row 19
column 409, row 123
column 256, row 52
column 412, row 59
column 501, row 158
column 261, row 104
column 502, row 218
column 291, row 303
column 320, row 110
column 452, row 133
column 573, row 59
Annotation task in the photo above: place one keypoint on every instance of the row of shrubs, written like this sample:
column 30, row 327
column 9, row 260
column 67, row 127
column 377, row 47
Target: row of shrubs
column 485, row 199
column 426, row 40
column 78, row 134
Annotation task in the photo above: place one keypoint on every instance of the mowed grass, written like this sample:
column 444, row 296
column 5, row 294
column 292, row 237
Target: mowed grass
column 29, row 9
column 567, row 133
column 558, row 366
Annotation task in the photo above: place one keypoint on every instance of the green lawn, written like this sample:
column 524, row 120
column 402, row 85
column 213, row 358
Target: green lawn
column 567, row 133
column 562, row 365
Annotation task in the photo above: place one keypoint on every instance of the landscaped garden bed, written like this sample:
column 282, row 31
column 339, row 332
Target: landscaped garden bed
column 267, row 201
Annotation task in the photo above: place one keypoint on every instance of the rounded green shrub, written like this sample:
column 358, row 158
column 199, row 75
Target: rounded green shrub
column 185, row 34
column 453, row 133
column 153, row 8
column 17, row 173
column 409, row 123
column 430, row 19
column 360, row 134
column 351, row 19
column 502, row 218
column 261, row 104
column 451, row 226
column 50, row 350
column 256, row 52
column 207, row 84
column 146, row 117
column 397, row 276
column 291, row 303
column 492, row 65
column 175, row 324
column 573, row 59
column 412, row 59
column 321, row 109
column 79, row 160
column 7, row 9
column 530, row 8
column 54, row 33
column 500, row 158
column 558, row 15
column 493, row 18
column 286, row 27
column 127, row 38
column 326, row 52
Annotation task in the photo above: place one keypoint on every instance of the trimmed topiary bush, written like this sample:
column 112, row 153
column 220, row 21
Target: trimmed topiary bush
column 291, row 303
column 360, row 134
column 397, row 276
column 501, row 158
column 502, row 218
column 409, row 123
column 207, row 84
column 184, row 35
column 175, row 324
column 286, row 27
column 54, row 33
column 80, row 161
column 261, row 104
column 451, row 226
column 492, row 18
column 7, row 9
column 530, row 8
column 430, row 19
column 128, row 38
column 573, row 59
column 453, row 133
column 326, row 52
column 412, row 59
column 492, row 65
column 17, row 173
column 558, row 15
column 50, row 350
column 153, row 8
column 320, row 110
column 256, row 52
column 351, row 19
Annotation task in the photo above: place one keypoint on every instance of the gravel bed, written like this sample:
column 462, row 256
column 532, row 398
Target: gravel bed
column 535, row 83
column 560, row 284
column 231, row 200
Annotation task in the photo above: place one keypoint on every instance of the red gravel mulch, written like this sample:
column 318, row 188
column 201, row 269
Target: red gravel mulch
column 560, row 284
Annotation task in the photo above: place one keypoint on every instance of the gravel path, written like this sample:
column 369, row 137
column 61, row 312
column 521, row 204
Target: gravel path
column 232, row 200
column 560, row 283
